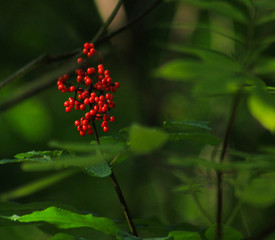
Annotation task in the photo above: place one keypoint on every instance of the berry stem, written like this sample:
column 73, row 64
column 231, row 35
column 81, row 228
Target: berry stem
column 119, row 192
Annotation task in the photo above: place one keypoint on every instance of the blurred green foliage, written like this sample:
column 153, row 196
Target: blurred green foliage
column 179, row 69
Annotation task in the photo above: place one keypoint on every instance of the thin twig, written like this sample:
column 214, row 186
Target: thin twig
column 51, row 59
column 118, row 191
column 134, row 21
column 227, row 137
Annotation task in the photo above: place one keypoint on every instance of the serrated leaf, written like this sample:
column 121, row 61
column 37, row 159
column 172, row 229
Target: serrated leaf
column 222, row 7
column 62, row 236
column 35, row 186
column 145, row 140
column 180, row 235
column 262, row 106
column 66, row 219
column 199, row 137
column 47, row 155
column 228, row 233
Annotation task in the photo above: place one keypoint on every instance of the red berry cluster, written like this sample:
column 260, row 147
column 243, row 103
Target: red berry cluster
column 92, row 92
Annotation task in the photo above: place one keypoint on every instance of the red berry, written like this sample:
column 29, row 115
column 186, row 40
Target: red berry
column 72, row 88
column 112, row 119
column 82, row 106
column 86, row 101
column 60, row 86
column 66, row 104
column 106, row 129
column 90, row 70
column 79, row 60
column 86, row 45
column 82, row 133
column 68, row 109
column 77, row 123
column 91, row 45
column 88, row 116
column 85, row 51
column 104, row 124
column 92, row 112
column 90, row 132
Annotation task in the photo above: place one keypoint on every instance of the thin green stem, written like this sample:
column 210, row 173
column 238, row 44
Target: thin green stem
column 119, row 192
column 201, row 209
column 219, row 174
column 234, row 213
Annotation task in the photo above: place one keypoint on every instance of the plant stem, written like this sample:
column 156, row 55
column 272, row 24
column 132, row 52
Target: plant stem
column 119, row 192
column 219, row 174
column 201, row 209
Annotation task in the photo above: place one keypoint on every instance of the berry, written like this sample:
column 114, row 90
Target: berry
column 112, row 119
column 106, row 129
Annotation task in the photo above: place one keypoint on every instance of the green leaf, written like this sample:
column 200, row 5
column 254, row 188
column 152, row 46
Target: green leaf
column 180, row 70
column 65, row 219
column 31, row 119
column 262, row 106
column 145, row 140
column 47, row 155
column 26, row 232
column 62, row 236
column 35, row 186
column 265, row 66
column 222, row 7
column 94, row 164
column 259, row 192
column 199, row 137
column 126, row 236
column 186, row 125
column 180, row 235
column 267, row 17
column 190, row 188
column 228, row 233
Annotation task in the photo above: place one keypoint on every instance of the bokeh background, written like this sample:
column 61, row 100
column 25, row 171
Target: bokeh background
column 32, row 28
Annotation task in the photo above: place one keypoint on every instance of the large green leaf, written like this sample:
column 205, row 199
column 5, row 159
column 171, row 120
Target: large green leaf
column 35, row 186
column 222, row 7
column 145, row 140
column 262, row 106
column 259, row 192
column 184, row 235
column 66, row 219
column 228, row 233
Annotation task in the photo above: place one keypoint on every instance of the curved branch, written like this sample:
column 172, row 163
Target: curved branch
column 65, row 56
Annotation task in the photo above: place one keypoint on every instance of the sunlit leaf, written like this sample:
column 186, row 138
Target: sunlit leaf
column 228, row 233
column 31, row 119
column 262, row 107
column 66, row 219
column 145, row 140
column 180, row 235
column 180, row 70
